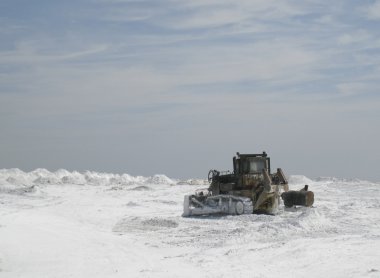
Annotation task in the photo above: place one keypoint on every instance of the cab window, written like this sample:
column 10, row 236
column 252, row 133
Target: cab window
column 253, row 165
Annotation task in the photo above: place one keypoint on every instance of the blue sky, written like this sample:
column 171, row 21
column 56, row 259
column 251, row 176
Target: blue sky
column 177, row 87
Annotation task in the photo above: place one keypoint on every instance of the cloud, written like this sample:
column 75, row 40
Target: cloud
column 354, row 88
column 154, row 73
column 271, row 61
column 185, row 15
column 374, row 11
column 37, row 52
column 357, row 36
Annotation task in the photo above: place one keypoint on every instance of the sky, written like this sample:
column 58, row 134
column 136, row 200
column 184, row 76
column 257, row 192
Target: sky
column 178, row 87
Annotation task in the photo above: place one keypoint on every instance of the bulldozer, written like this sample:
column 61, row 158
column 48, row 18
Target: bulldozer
column 250, row 188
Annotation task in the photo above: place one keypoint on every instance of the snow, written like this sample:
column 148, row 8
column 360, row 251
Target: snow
column 71, row 224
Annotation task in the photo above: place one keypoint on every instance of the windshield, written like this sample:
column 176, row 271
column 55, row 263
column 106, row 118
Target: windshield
column 253, row 165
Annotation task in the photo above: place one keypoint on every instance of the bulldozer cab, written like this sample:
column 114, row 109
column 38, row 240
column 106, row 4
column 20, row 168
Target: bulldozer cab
column 251, row 164
column 249, row 170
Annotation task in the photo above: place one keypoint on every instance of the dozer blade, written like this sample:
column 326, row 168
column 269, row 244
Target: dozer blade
column 219, row 204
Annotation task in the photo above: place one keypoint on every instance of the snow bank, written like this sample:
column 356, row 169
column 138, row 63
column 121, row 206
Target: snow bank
column 299, row 180
column 160, row 179
column 17, row 189
column 193, row 182
column 16, row 177
column 337, row 180
column 19, row 180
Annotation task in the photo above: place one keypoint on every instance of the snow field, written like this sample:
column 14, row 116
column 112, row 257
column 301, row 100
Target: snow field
column 70, row 224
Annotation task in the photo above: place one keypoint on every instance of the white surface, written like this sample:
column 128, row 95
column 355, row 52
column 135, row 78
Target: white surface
column 91, row 224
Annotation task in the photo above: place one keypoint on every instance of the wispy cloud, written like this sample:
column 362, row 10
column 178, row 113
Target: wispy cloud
column 30, row 52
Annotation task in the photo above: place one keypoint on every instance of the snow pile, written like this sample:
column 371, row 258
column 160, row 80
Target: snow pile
column 193, row 182
column 336, row 180
column 160, row 179
column 13, row 176
column 62, row 176
column 17, row 189
column 15, row 181
column 299, row 180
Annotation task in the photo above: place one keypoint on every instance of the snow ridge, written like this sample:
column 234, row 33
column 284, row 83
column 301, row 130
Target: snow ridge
column 43, row 176
column 40, row 176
